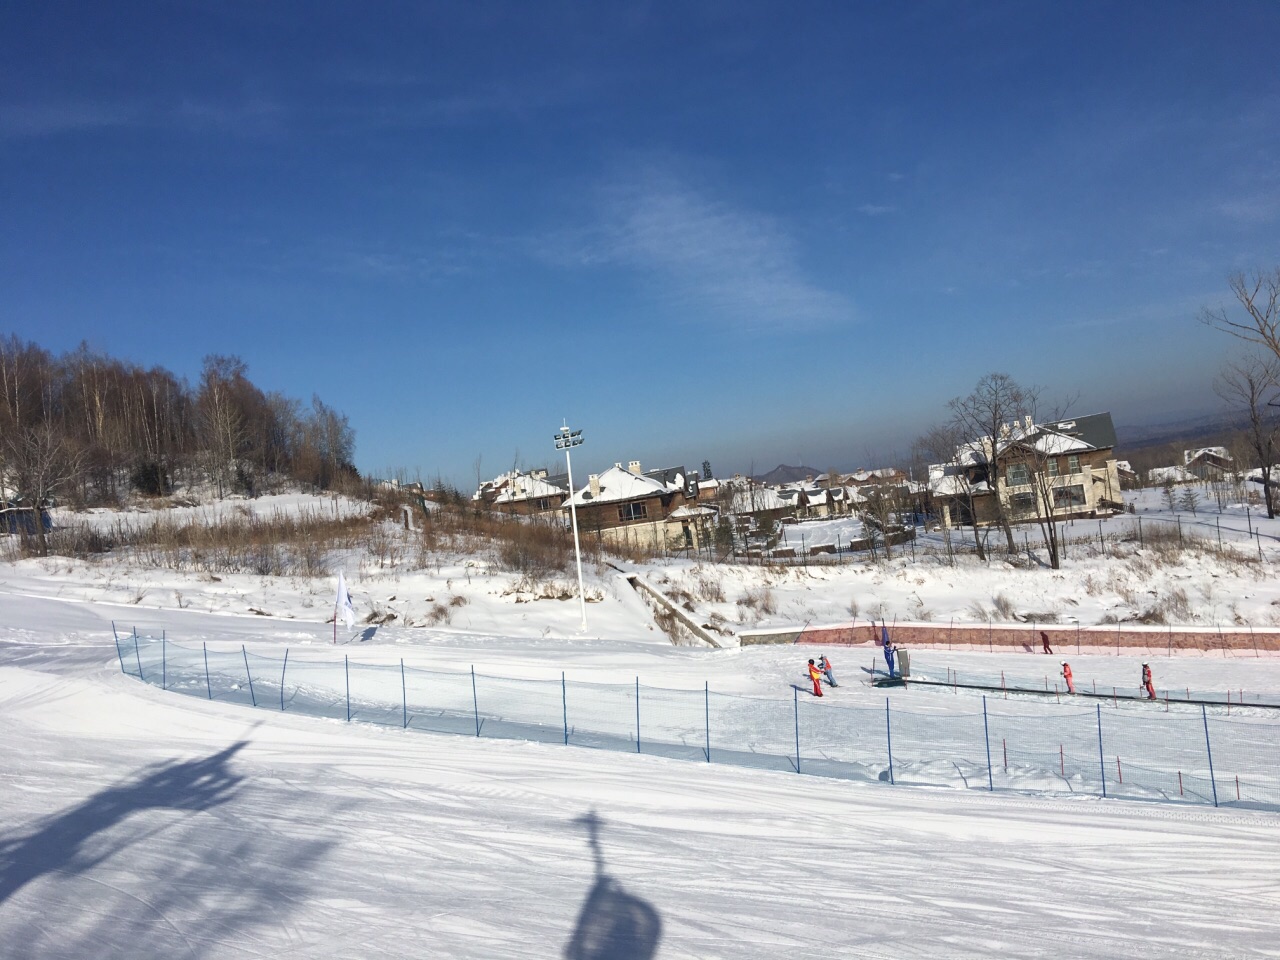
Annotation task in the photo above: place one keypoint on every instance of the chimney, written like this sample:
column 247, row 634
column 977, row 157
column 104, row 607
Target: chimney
column 1027, row 420
column 594, row 482
column 634, row 467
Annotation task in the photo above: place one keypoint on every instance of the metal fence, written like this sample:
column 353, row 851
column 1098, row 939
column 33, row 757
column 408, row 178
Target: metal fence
column 1191, row 755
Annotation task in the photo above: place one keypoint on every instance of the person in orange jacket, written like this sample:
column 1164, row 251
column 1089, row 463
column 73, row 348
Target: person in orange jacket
column 816, row 676
column 824, row 664
column 1146, row 681
column 1066, row 675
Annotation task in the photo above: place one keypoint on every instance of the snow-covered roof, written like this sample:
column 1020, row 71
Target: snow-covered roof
column 515, row 486
column 751, row 500
column 618, row 484
column 687, row 512
column 1188, row 456
column 525, row 487
column 1178, row 474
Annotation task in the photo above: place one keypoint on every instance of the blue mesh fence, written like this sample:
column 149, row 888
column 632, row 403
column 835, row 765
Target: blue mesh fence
column 1187, row 756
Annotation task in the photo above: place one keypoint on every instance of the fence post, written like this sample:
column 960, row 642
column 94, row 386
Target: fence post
column 1218, row 521
column 283, row 670
column 564, row 703
column 1102, row 764
column 346, row 669
column 208, row 683
column 986, row 734
column 637, row 714
column 1141, row 543
column 404, row 697
column 164, row 661
column 1204, row 715
column 708, row 695
column 138, row 655
column 116, row 640
column 475, row 699
column 249, row 674
column 888, row 735
column 795, row 696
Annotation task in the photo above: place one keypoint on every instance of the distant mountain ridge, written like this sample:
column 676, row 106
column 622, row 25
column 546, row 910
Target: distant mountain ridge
column 783, row 473
column 1184, row 430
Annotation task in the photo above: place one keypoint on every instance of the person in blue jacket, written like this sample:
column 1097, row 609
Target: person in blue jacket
column 889, row 651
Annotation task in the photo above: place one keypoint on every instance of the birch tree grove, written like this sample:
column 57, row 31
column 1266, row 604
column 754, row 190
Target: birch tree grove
column 109, row 426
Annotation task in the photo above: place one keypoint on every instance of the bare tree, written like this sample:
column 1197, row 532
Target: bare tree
column 221, row 420
column 997, row 403
column 879, row 510
column 1252, row 383
column 41, row 464
column 944, row 447
column 1259, row 294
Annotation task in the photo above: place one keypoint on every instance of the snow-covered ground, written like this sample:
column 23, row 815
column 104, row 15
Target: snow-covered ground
column 139, row 823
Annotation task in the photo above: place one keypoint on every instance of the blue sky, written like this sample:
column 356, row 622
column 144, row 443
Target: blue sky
column 745, row 232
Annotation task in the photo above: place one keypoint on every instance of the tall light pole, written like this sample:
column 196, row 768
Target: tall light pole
column 566, row 440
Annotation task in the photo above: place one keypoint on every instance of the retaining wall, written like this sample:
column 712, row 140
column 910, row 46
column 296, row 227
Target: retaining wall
column 1104, row 638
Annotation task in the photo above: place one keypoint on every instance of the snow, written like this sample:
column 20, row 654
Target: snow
column 141, row 823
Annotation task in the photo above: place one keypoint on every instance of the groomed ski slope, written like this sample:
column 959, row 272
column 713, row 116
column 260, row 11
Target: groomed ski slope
column 142, row 824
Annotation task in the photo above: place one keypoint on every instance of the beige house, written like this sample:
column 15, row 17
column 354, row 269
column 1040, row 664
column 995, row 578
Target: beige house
column 1063, row 469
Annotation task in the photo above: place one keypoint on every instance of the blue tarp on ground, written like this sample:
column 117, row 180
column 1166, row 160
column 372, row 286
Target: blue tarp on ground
column 16, row 518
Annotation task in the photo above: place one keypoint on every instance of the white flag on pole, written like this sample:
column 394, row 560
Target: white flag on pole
column 343, row 606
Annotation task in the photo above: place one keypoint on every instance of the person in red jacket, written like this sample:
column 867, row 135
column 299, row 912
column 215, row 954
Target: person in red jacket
column 1066, row 675
column 816, row 676
column 1146, row 681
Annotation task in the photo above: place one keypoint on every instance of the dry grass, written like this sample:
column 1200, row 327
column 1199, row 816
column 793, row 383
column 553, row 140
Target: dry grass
column 1004, row 607
column 759, row 599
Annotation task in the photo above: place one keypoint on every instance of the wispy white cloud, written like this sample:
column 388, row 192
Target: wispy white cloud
column 1258, row 208
column 24, row 121
column 877, row 209
column 31, row 120
column 724, row 262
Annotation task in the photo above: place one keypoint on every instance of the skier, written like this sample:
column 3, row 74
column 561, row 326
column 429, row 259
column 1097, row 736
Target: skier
column 888, row 655
column 1146, row 681
column 1044, row 640
column 825, row 666
column 816, row 676
column 1066, row 675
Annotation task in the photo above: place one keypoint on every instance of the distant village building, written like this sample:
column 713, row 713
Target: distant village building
column 522, row 494
column 1208, row 463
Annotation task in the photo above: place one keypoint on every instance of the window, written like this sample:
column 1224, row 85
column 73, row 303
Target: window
column 632, row 511
column 1023, row 502
column 1067, row 498
column 543, row 504
column 1016, row 475
column 1053, row 466
column 1073, row 463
